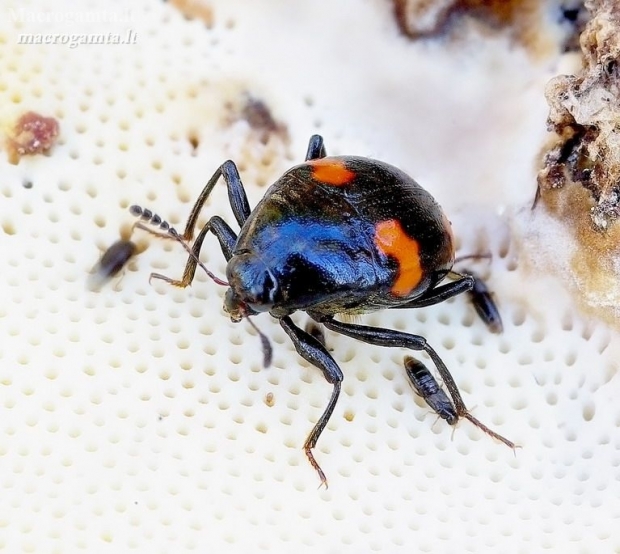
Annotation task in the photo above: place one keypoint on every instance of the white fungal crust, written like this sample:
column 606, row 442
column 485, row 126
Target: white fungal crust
column 139, row 419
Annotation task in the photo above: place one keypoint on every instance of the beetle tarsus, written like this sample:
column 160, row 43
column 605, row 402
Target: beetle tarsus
column 467, row 415
column 316, row 466
column 165, row 278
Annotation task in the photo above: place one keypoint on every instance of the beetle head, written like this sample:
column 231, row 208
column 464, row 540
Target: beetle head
column 253, row 287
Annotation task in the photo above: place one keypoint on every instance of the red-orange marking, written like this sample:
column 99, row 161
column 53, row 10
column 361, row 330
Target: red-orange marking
column 331, row 172
column 392, row 240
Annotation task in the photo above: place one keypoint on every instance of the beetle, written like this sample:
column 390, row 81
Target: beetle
column 333, row 235
column 113, row 260
column 427, row 387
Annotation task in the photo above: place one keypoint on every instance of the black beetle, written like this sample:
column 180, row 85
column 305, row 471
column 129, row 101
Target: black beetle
column 334, row 235
column 427, row 387
column 113, row 260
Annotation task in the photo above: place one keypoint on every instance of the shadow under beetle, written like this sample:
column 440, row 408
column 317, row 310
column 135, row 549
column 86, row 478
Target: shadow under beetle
column 333, row 235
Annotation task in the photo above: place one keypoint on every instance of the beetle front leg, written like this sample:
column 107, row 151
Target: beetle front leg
column 236, row 196
column 225, row 236
column 316, row 148
column 314, row 352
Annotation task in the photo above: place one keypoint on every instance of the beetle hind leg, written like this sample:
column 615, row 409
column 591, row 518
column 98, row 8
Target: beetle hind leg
column 393, row 338
column 440, row 293
column 467, row 415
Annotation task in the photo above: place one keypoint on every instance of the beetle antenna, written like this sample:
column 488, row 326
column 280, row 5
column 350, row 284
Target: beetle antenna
column 170, row 232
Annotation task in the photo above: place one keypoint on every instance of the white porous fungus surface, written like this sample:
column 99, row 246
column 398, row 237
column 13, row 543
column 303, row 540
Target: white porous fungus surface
column 137, row 418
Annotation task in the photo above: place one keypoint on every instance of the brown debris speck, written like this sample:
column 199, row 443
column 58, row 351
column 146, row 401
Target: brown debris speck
column 261, row 140
column 261, row 120
column 32, row 134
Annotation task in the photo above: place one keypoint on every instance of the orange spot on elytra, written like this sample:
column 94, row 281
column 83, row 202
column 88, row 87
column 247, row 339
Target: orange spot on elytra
column 392, row 240
column 331, row 171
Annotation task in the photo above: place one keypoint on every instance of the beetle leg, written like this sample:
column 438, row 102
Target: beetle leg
column 536, row 197
column 224, row 234
column 236, row 196
column 314, row 352
column 485, row 306
column 393, row 338
column 490, row 432
column 316, row 148
column 441, row 293
column 459, row 259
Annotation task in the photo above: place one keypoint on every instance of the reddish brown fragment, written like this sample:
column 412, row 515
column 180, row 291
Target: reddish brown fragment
column 261, row 120
column 32, row 134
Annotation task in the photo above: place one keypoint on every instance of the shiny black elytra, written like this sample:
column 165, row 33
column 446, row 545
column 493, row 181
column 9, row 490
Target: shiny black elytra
column 334, row 235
